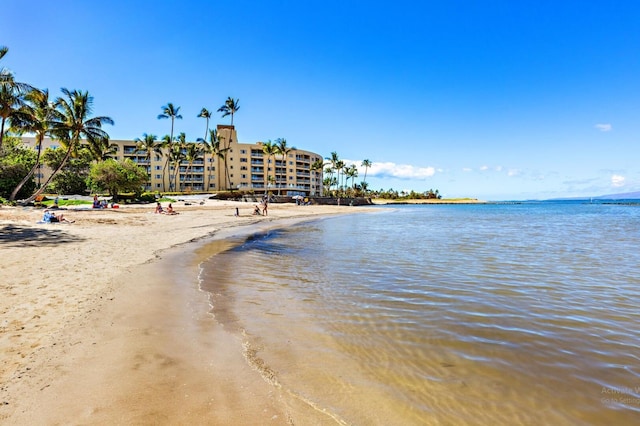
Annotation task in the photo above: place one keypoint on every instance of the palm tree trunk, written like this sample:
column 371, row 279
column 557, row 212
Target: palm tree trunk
column 31, row 172
column 164, row 174
column 175, row 178
column 2, row 135
column 60, row 166
column 226, row 168
column 207, row 173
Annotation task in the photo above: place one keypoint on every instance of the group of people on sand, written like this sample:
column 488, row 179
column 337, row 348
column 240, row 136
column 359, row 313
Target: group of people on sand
column 161, row 210
column 98, row 204
column 257, row 210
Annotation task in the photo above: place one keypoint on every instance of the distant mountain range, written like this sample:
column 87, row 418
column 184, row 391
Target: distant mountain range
column 622, row 196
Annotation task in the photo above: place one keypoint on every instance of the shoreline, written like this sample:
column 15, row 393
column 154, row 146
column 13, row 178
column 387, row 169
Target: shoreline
column 96, row 312
column 384, row 202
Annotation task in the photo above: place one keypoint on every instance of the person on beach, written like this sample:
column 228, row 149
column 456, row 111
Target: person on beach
column 51, row 217
column 159, row 208
column 264, row 207
column 170, row 209
column 256, row 210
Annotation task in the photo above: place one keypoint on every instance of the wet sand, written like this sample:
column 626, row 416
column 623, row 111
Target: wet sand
column 103, row 321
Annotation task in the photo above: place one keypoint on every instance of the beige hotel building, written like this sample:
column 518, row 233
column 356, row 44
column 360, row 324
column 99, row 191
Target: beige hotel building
column 249, row 169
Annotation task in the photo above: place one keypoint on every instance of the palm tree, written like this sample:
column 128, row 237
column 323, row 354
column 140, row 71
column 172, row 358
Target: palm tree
column 172, row 112
column 11, row 104
column 193, row 153
column 339, row 166
column 329, row 180
column 230, row 107
column 316, row 166
column 7, row 78
column 11, row 95
column 270, row 149
column 345, row 176
column 149, row 146
column 5, row 74
column 333, row 161
column 207, row 148
column 36, row 120
column 205, row 114
column 284, row 150
column 177, row 156
column 101, row 149
column 215, row 148
column 366, row 164
column 351, row 172
column 166, row 145
column 72, row 121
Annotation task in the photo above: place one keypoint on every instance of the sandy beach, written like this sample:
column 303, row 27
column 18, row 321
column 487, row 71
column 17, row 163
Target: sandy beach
column 100, row 324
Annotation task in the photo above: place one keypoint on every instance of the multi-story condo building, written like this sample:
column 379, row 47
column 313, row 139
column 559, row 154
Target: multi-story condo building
column 242, row 166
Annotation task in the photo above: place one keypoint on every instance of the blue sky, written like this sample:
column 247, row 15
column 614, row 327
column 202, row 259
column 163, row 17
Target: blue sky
column 497, row 100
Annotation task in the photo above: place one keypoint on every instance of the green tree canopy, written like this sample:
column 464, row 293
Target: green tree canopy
column 117, row 176
column 72, row 175
column 14, row 165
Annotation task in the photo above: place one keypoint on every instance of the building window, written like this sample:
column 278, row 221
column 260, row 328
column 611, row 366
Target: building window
column 158, row 176
column 158, row 167
column 243, row 151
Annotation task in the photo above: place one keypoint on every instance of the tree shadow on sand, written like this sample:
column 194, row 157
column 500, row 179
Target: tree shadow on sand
column 21, row 236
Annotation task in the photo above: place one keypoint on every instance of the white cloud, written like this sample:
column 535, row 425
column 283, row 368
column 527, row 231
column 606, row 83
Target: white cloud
column 513, row 172
column 617, row 181
column 603, row 127
column 484, row 168
column 467, row 169
column 400, row 171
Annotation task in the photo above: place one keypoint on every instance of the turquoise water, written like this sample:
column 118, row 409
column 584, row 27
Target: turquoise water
column 445, row 314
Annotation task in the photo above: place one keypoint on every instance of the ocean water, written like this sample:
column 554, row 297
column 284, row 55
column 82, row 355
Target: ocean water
column 514, row 314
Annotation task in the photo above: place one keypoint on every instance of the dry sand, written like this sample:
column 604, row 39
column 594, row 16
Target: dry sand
column 100, row 324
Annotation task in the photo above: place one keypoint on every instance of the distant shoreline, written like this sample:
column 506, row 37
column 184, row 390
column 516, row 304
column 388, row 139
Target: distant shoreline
column 429, row 201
